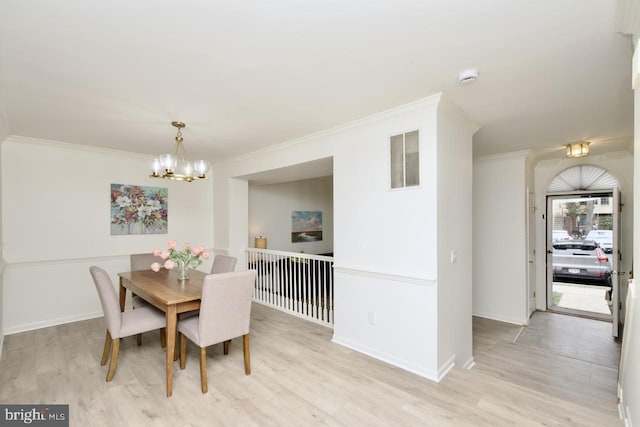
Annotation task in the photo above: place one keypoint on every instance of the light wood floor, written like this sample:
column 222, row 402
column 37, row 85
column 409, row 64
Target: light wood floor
column 299, row 378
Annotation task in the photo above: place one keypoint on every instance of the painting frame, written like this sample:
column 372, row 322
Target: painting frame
column 306, row 226
column 138, row 209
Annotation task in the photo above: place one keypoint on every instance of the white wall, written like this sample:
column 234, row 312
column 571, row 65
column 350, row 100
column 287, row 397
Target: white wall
column 231, row 190
column 454, row 236
column 4, row 123
column 499, row 238
column 619, row 164
column 629, row 378
column 55, row 209
column 383, row 236
column 629, row 370
column 270, row 208
column 385, row 267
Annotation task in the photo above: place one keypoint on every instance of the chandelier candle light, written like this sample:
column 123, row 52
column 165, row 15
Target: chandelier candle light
column 176, row 165
column 183, row 259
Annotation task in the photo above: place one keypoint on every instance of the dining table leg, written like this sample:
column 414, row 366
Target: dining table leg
column 171, row 341
column 123, row 294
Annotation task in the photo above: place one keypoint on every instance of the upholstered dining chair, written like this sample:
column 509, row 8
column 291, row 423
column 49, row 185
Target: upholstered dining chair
column 223, row 264
column 225, row 312
column 121, row 324
column 143, row 262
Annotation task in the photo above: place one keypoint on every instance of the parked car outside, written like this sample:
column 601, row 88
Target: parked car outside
column 580, row 261
column 560, row 235
column 604, row 239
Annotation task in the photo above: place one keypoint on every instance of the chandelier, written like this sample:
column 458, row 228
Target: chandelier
column 176, row 165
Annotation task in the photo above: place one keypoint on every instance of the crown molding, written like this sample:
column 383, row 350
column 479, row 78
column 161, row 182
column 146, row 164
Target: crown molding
column 451, row 107
column 415, row 105
column 503, row 156
column 75, row 147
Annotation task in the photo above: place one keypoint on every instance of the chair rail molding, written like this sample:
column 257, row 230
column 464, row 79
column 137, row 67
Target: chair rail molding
column 430, row 282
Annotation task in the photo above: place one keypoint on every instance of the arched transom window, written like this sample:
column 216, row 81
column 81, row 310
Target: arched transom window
column 583, row 178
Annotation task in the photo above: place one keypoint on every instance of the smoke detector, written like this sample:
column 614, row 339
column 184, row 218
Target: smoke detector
column 467, row 77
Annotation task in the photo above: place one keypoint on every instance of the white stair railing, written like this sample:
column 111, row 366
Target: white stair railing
column 296, row 283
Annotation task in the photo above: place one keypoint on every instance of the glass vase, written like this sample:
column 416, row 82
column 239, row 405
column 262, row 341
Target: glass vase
column 183, row 271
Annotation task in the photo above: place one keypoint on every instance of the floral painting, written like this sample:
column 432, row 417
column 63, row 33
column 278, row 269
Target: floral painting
column 138, row 210
column 306, row 226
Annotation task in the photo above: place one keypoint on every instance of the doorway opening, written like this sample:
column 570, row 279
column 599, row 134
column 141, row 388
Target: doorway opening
column 583, row 243
column 581, row 249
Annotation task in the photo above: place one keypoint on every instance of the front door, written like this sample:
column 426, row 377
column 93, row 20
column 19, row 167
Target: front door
column 580, row 256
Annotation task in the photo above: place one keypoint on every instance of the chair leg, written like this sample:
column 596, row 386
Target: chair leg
column 225, row 346
column 107, row 347
column 247, row 358
column 115, row 347
column 203, row 368
column 183, row 351
column 138, row 336
column 163, row 337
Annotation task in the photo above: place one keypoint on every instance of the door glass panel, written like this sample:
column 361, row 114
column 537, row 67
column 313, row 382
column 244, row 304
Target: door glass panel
column 581, row 245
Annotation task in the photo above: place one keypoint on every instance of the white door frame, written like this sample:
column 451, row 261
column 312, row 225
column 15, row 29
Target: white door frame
column 615, row 264
column 531, row 253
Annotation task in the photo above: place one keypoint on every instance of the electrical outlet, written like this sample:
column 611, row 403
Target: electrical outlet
column 372, row 318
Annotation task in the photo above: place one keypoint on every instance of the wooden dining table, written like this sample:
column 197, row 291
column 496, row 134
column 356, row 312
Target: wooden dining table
column 163, row 290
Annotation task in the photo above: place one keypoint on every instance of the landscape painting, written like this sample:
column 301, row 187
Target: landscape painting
column 306, row 226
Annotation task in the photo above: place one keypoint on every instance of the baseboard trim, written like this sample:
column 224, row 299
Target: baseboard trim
column 52, row 322
column 469, row 364
column 400, row 363
column 444, row 369
column 623, row 409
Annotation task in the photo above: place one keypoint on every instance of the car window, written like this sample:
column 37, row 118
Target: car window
column 579, row 246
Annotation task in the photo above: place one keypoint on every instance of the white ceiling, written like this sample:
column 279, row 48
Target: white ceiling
column 244, row 75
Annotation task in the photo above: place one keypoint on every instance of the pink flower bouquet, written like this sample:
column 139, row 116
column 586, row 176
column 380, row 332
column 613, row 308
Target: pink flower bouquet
column 186, row 258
